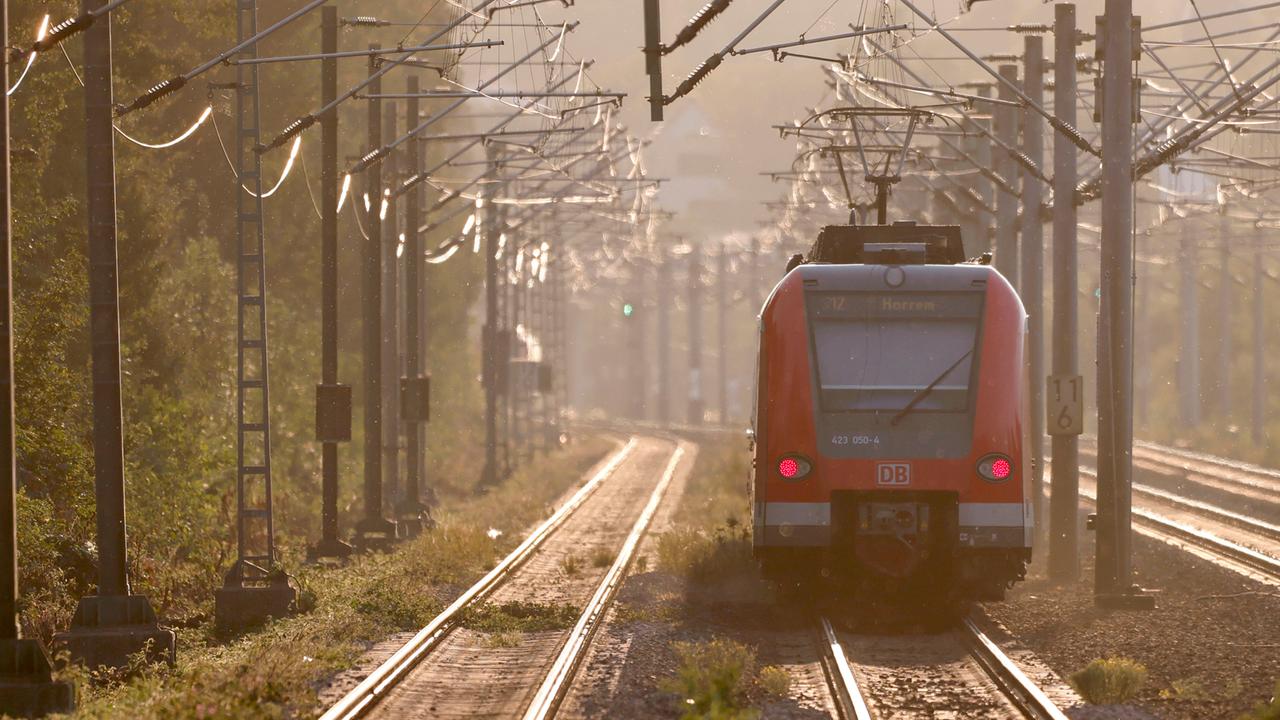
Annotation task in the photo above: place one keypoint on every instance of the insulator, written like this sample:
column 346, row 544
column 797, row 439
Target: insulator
column 696, row 23
column 63, row 30
column 1074, row 136
column 695, row 77
column 171, row 85
column 365, row 21
column 1025, row 161
column 292, row 129
column 1029, row 28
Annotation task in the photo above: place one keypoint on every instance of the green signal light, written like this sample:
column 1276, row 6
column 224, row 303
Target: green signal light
column 628, row 310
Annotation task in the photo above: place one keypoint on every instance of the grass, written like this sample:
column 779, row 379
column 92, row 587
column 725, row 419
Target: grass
column 571, row 565
column 706, row 556
column 712, row 680
column 602, row 557
column 518, row 616
column 665, row 609
column 1269, row 710
column 1109, row 682
column 276, row 671
column 718, row 489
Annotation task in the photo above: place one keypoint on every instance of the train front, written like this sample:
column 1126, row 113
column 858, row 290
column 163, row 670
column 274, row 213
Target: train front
column 889, row 428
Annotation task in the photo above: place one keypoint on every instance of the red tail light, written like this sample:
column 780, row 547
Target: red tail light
column 1001, row 469
column 793, row 467
column 995, row 467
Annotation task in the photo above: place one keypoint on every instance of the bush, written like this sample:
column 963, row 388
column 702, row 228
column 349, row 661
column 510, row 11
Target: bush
column 1265, row 710
column 774, row 681
column 1109, row 682
column 712, row 680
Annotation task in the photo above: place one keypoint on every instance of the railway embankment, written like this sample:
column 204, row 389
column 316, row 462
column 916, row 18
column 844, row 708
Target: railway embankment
column 1210, row 647
column 288, row 667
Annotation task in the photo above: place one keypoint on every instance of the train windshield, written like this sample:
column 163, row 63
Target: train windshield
column 872, row 361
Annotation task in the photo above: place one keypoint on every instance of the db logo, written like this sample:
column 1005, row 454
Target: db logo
column 893, row 473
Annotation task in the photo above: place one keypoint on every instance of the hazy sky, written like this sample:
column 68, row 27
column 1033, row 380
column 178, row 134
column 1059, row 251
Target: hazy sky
column 715, row 142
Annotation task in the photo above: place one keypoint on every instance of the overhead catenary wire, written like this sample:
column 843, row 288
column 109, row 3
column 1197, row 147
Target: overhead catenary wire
column 63, row 30
column 31, row 59
column 300, row 124
column 177, row 82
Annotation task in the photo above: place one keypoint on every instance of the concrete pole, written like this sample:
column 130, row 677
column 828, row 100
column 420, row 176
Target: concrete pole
column 1189, row 342
column 695, row 335
column 1113, row 581
column 333, row 400
column 1225, row 316
column 390, row 321
column 28, row 690
column 982, row 152
column 1032, row 272
column 1064, row 552
column 663, row 344
column 374, row 530
column 637, row 325
column 489, row 344
column 722, row 330
column 104, row 311
column 411, row 508
column 1006, row 128
column 9, row 628
column 753, row 278
column 108, row 627
column 1259, row 388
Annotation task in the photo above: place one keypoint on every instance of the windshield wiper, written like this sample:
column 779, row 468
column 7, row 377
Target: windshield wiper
column 924, row 391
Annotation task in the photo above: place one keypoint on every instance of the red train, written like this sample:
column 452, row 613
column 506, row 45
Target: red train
column 890, row 414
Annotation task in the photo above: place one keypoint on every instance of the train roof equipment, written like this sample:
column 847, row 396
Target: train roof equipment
column 902, row 243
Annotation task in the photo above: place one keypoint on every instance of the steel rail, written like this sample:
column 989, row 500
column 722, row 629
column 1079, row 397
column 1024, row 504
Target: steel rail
column 1163, row 528
column 844, row 686
column 366, row 695
column 1254, row 477
column 1223, row 515
column 1014, row 683
column 556, row 685
column 1226, row 463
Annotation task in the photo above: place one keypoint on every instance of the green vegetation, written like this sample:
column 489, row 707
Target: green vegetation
column 519, row 616
column 712, row 680
column 276, row 672
column 711, row 539
column 177, row 283
column 718, row 488
column 1109, row 682
column 774, row 680
column 706, row 556
column 1269, row 710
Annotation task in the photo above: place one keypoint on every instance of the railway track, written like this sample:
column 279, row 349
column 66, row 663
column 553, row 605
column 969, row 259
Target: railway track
column 1233, row 537
column 1241, row 478
column 857, row 701
column 394, row 675
column 553, row 689
column 1220, row 550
